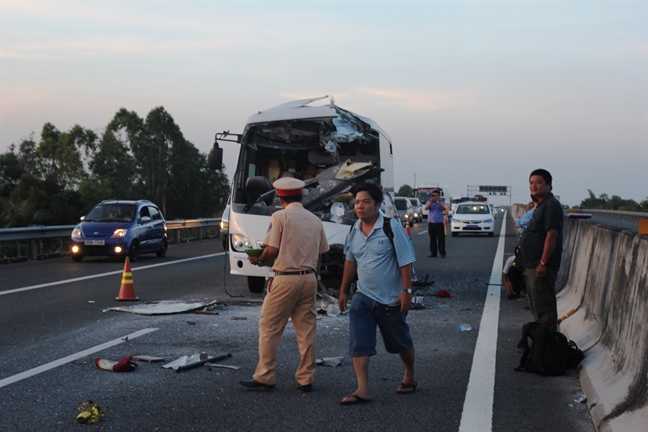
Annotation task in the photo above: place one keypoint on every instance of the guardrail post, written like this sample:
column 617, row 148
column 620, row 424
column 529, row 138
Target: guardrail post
column 176, row 236
column 199, row 233
column 18, row 251
column 31, row 253
column 218, row 231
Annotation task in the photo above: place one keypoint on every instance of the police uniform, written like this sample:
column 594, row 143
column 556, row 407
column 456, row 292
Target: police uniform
column 299, row 236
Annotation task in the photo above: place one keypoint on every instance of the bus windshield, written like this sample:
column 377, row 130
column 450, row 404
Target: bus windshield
column 313, row 150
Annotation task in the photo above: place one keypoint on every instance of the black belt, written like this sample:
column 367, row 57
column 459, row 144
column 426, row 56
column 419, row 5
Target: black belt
column 293, row 273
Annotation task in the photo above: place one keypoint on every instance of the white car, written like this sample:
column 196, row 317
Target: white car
column 473, row 218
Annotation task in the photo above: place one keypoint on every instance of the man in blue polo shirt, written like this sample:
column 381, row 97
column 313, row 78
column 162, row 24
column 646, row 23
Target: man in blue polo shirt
column 384, row 290
column 436, row 224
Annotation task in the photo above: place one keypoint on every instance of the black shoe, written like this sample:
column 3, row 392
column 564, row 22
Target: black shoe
column 305, row 388
column 256, row 385
column 431, row 256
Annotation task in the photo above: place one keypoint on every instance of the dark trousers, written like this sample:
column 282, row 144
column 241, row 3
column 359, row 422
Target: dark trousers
column 542, row 297
column 437, row 236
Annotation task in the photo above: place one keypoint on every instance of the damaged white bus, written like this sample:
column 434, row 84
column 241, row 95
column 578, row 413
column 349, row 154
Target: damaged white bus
column 329, row 148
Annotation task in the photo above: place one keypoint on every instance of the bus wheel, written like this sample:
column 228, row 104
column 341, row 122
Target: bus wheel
column 256, row 284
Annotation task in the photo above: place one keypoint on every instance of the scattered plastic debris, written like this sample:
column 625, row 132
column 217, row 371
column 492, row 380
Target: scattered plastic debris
column 190, row 362
column 149, row 359
column 90, row 413
column 239, row 318
column 332, row 310
column 90, row 301
column 191, row 322
column 124, row 365
column 581, row 399
column 417, row 302
column 465, row 327
column 329, row 361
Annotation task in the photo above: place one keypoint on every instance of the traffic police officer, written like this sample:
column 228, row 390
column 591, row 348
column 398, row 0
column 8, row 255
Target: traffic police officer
column 295, row 240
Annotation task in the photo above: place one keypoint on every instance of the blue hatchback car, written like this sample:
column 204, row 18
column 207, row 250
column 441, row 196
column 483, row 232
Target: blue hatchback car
column 120, row 229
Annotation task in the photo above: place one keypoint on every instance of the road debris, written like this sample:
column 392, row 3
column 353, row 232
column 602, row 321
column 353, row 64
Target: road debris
column 149, row 359
column 191, row 322
column 185, row 363
column 329, row 361
column 239, row 318
column 165, row 307
column 444, row 294
column 581, row 399
column 124, row 365
column 216, row 365
column 90, row 413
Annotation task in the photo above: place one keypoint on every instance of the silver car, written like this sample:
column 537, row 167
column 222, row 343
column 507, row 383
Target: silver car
column 405, row 210
column 418, row 209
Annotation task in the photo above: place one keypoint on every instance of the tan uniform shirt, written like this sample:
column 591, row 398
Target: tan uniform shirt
column 299, row 236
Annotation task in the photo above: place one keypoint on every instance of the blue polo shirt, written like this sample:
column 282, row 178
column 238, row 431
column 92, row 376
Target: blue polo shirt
column 379, row 274
column 435, row 214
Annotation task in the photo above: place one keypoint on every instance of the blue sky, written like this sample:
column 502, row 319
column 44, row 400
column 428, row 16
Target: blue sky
column 472, row 93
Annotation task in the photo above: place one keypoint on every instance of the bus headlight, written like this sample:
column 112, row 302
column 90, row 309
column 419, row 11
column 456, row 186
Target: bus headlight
column 240, row 243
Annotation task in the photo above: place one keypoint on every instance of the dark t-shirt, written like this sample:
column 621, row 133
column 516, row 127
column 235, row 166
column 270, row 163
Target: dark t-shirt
column 547, row 215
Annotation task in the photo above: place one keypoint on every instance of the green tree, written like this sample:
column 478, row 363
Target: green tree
column 153, row 154
column 405, row 191
column 10, row 172
column 63, row 155
column 592, row 202
column 113, row 167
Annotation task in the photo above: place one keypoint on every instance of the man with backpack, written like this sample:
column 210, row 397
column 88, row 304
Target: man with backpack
column 381, row 253
column 541, row 250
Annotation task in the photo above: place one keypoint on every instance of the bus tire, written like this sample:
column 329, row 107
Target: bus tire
column 256, row 284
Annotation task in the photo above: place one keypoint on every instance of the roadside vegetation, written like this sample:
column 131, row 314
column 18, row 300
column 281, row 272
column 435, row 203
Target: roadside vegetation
column 62, row 176
column 604, row 202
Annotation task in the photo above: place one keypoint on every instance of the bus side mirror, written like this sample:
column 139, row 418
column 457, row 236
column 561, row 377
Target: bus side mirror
column 216, row 157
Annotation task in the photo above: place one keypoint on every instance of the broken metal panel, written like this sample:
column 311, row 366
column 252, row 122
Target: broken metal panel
column 163, row 308
column 185, row 363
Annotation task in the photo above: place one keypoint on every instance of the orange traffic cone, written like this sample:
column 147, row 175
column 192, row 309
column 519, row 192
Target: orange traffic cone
column 127, row 289
column 407, row 229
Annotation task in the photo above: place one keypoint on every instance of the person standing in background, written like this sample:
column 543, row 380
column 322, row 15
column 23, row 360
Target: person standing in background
column 436, row 224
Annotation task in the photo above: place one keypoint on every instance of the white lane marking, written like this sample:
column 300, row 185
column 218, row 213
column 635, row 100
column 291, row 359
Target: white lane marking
column 477, row 412
column 422, row 232
column 68, row 359
column 33, row 287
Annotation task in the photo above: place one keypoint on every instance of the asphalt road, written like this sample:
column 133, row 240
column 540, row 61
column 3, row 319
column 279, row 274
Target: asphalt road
column 42, row 324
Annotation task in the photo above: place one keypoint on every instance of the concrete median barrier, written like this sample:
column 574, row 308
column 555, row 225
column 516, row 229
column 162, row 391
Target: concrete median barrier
column 604, row 276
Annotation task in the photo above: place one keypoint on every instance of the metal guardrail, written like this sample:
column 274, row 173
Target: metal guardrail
column 618, row 214
column 33, row 236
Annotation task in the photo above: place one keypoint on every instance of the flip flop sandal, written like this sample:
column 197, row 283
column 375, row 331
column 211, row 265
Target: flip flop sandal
column 406, row 388
column 355, row 400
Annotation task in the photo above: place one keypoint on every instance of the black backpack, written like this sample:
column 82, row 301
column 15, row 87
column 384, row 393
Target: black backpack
column 547, row 354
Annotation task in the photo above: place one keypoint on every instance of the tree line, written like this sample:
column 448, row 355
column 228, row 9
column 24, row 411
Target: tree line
column 62, row 176
column 605, row 202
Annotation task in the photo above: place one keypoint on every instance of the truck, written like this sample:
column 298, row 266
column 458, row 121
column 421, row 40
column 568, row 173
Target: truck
column 330, row 148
